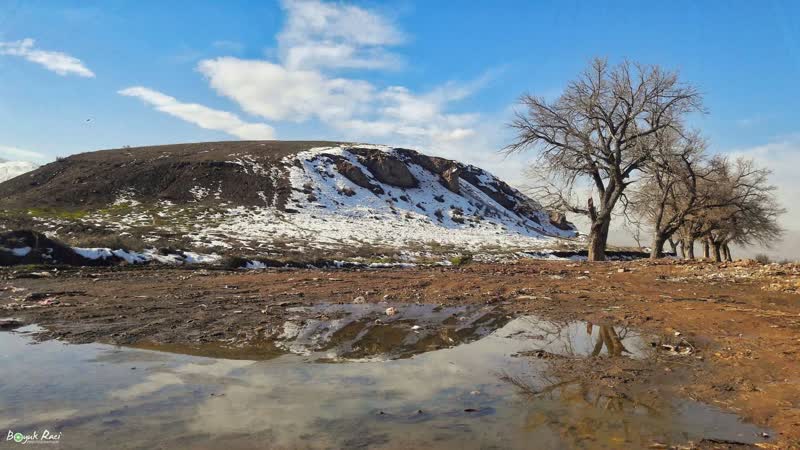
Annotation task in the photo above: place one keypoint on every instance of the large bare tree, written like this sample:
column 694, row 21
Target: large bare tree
column 597, row 134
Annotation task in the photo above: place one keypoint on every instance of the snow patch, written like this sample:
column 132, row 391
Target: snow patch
column 21, row 252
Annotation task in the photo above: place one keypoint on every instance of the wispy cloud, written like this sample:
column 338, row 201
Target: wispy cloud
column 14, row 153
column 58, row 62
column 202, row 116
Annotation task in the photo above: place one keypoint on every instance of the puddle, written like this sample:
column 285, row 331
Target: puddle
column 443, row 385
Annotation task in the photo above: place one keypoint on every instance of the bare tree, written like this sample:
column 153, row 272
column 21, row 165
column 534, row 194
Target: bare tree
column 744, row 209
column 600, row 131
column 668, row 191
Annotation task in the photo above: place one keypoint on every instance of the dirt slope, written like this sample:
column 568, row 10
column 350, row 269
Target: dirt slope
column 164, row 172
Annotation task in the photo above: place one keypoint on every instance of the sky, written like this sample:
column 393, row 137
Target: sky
column 442, row 77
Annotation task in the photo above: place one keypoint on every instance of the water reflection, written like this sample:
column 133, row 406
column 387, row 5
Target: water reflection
column 101, row 396
column 340, row 332
column 609, row 339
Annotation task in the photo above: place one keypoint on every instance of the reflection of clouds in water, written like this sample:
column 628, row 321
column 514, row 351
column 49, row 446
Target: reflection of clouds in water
column 153, row 383
column 291, row 399
column 183, row 374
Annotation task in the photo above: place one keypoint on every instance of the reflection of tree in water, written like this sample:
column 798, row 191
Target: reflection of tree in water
column 608, row 338
column 583, row 414
column 561, row 338
column 580, row 410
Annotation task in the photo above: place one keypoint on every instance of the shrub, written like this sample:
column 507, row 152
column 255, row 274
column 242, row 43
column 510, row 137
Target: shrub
column 762, row 258
column 461, row 260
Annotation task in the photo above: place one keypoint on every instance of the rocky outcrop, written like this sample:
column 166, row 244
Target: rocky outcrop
column 386, row 168
column 450, row 179
column 449, row 171
column 354, row 174
column 430, row 163
column 559, row 220
column 499, row 192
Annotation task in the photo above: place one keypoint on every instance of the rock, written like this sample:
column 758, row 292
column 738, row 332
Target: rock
column 386, row 168
column 497, row 190
column 391, row 311
column 430, row 163
column 40, row 275
column 37, row 296
column 450, row 179
column 354, row 174
column 359, row 300
column 559, row 220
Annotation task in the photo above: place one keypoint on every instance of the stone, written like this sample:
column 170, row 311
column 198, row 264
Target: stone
column 450, row 179
column 354, row 174
column 559, row 220
column 386, row 168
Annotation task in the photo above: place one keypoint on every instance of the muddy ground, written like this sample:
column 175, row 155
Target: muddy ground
column 741, row 321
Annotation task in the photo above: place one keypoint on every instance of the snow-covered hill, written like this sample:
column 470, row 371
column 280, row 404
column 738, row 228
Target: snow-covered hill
column 270, row 198
column 11, row 169
column 338, row 199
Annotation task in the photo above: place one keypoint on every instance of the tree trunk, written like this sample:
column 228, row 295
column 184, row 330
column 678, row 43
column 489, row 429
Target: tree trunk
column 706, row 250
column 657, row 249
column 683, row 249
column 689, row 248
column 717, row 252
column 727, row 251
column 598, row 236
column 673, row 246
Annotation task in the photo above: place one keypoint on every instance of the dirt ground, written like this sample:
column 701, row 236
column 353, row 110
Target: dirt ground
column 741, row 320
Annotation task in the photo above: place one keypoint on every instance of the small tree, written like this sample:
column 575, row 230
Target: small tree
column 744, row 210
column 601, row 131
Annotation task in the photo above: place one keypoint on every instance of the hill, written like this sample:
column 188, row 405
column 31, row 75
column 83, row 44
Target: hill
column 274, row 197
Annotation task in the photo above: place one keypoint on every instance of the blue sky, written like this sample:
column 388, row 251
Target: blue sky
column 77, row 76
column 743, row 55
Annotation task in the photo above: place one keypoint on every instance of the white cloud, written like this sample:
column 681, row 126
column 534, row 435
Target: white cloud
column 355, row 107
column 277, row 93
column 57, row 62
column 202, row 116
column 327, row 35
column 303, row 83
column 14, row 153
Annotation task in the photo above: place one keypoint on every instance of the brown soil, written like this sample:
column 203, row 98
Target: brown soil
column 744, row 332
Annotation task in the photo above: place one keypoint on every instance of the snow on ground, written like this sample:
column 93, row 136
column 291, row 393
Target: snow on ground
column 147, row 255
